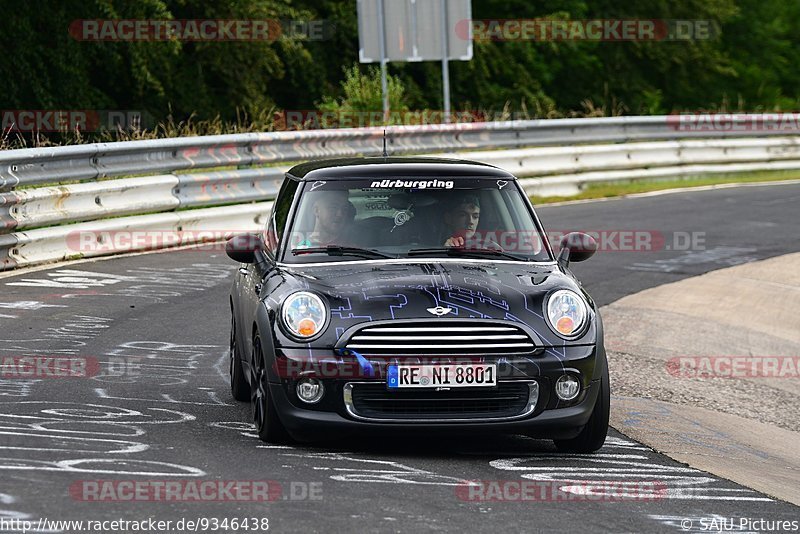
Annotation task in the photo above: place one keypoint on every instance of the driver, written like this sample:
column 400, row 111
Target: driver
column 461, row 218
column 333, row 219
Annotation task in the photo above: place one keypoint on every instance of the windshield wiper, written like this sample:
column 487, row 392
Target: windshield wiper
column 338, row 250
column 460, row 251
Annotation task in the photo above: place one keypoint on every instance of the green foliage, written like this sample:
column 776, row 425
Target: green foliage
column 363, row 97
column 236, row 86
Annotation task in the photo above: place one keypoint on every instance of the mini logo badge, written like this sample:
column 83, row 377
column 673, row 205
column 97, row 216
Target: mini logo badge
column 439, row 311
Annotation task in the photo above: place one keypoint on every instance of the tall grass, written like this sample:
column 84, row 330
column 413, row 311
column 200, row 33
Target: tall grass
column 263, row 122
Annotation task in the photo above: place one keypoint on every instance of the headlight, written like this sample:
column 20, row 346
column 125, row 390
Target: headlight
column 304, row 314
column 566, row 313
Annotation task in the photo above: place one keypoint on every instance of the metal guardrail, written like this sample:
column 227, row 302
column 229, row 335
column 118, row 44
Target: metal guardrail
column 131, row 234
column 103, row 160
column 565, row 171
column 568, row 154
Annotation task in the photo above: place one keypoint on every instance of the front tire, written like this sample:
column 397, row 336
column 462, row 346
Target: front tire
column 265, row 417
column 240, row 389
column 594, row 433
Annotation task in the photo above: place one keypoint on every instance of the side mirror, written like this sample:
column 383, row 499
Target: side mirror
column 242, row 248
column 576, row 246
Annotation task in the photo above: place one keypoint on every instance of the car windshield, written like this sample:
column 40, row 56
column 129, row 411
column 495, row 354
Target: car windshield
column 419, row 217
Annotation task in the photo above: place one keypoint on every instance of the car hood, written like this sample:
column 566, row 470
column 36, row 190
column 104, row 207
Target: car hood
column 358, row 293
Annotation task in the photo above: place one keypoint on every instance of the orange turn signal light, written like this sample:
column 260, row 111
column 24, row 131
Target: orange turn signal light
column 306, row 327
column 565, row 325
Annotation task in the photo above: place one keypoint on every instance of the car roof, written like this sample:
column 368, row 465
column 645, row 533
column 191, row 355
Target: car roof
column 394, row 166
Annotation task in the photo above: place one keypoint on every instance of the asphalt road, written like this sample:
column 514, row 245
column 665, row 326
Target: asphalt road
column 154, row 329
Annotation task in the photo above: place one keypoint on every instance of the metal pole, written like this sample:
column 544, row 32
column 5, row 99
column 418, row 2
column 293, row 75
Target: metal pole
column 413, row 28
column 382, row 39
column 445, row 67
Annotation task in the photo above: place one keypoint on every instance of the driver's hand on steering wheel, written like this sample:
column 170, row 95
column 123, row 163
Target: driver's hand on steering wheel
column 454, row 241
column 457, row 241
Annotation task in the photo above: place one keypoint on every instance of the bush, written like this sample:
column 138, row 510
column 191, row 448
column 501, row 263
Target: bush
column 363, row 99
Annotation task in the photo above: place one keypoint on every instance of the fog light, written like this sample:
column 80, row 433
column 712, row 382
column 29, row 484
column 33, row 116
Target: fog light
column 567, row 387
column 310, row 390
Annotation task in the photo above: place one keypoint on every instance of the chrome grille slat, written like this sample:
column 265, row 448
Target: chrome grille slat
column 439, row 328
column 442, row 346
column 467, row 337
column 435, row 338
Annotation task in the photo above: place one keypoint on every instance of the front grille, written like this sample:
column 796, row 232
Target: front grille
column 463, row 338
column 507, row 400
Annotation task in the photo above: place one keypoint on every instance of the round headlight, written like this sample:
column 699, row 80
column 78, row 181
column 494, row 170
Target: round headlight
column 566, row 313
column 304, row 314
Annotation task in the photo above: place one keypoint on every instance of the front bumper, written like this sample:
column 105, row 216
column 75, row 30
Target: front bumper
column 335, row 416
column 305, row 425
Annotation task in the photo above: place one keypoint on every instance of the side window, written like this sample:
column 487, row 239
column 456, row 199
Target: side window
column 280, row 212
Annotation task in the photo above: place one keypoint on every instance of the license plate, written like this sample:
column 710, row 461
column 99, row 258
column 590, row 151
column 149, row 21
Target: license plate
column 434, row 376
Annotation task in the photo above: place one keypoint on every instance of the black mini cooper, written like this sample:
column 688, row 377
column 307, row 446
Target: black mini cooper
column 390, row 295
